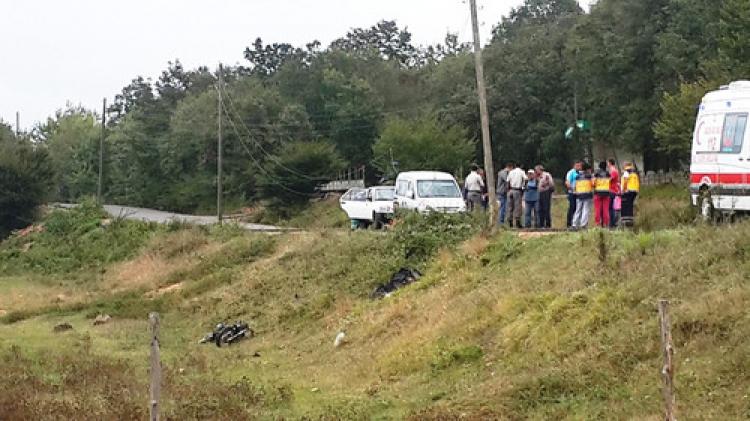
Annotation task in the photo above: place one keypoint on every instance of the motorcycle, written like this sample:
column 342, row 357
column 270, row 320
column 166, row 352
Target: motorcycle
column 228, row 334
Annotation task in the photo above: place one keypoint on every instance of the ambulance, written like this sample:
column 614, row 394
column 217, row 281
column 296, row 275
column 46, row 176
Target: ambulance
column 720, row 156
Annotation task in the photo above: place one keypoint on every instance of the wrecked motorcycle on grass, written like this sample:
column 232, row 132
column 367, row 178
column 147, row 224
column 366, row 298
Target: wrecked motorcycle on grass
column 228, row 334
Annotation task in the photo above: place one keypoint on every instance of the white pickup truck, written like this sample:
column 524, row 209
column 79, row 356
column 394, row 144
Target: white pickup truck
column 373, row 206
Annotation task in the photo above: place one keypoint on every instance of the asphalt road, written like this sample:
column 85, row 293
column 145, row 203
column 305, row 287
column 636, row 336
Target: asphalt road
column 151, row 215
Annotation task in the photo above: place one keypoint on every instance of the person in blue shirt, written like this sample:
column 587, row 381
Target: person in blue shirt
column 570, row 184
column 531, row 197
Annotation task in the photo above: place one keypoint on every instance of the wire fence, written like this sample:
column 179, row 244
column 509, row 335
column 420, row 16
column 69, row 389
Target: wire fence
column 657, row 178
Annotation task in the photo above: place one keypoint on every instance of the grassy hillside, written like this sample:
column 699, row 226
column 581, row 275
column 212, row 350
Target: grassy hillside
column 556, row 327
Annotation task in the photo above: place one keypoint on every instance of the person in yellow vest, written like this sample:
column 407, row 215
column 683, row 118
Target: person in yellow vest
column 584, row 191
column 630, row 187
column 602, row 181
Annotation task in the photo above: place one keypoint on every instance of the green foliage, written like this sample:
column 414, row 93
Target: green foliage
column 417, row 237
column 633, row 68
column 734, row 33
column 72, row 139
column 26, row 177
column 423, row 144
column 447, row 357
column 674, row 129
column 74, row 240
column 291, row 179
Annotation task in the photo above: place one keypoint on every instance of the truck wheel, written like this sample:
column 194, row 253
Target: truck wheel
column 377, row 221
column 706, row 206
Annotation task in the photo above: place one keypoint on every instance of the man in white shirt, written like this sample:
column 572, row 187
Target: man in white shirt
column 474, row 184
column 516, row 181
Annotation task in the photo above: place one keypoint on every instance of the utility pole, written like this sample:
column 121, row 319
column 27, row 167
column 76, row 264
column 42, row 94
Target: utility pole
column 486, row 139
column 101, row 152
column 220, row 148
column 18, row 124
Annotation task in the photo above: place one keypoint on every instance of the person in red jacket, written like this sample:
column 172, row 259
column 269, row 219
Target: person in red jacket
column 614, row 192
column 602, row 184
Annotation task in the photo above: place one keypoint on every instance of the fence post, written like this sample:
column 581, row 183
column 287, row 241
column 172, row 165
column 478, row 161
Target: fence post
column 155, row 390
column 667, row 370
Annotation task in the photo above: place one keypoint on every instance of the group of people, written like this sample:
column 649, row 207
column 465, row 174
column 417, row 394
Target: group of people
column 611, row 195
column 517, row 190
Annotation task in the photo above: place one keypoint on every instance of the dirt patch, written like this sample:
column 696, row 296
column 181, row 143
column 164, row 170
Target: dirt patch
column 527, row 235
column 165, row 290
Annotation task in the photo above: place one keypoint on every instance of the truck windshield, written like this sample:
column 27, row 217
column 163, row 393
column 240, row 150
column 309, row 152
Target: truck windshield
column 438, row 188
column 387, row 194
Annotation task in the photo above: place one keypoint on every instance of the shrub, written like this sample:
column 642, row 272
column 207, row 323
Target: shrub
column 75, row 239
column 417, row 237
column 26, row 176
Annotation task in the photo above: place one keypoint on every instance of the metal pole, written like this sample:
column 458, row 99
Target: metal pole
column 220, row 147
column 101, row 152
column 486, row 139
column 18, row 124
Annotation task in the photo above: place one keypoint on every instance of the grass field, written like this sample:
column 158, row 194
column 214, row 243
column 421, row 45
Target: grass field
column 555, row 327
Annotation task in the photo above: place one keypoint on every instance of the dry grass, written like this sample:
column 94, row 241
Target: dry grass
column 498, row 328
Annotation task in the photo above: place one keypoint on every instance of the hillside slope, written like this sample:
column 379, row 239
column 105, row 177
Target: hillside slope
column 556, row 327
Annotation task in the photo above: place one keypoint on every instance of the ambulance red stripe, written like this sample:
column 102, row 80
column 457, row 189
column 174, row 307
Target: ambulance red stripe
column 724, row 178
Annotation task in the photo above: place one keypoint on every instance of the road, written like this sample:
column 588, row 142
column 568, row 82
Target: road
column 151, row 215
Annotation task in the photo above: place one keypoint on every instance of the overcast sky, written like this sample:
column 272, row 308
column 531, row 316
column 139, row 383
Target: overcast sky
column 80, row 51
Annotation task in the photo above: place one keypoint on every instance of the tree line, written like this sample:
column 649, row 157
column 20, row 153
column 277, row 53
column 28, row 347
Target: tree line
column 296, row 116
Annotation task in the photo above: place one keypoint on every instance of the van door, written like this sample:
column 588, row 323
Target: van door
column 352, row 202
column 732, row 168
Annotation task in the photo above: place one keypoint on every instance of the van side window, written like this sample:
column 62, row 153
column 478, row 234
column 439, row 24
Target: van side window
column 402, row 187
column 734, row 132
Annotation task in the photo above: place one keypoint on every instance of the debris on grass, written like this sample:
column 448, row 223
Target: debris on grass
column 102, row 319
column 340, row 340
column 62, row 327
column 400, row 279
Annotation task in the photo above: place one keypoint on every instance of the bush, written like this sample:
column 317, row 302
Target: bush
column 289, row 180
column 417, row 237
column 26, row 176
column 75, row 239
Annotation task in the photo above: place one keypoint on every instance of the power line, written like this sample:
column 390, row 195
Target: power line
column 255, row 161
column 263, row 150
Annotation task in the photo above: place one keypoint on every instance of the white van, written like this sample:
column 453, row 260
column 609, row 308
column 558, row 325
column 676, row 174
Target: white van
column 427, row 191
column 720, row 157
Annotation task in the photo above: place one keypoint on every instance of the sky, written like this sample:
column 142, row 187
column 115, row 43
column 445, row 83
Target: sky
column 78, row 52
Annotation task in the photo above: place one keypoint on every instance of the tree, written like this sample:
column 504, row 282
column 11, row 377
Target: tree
column 290, row 180
column 614, row 65
column 26, row 176
column 352, row 111
column 423, row 144
column 385, row 38
column 674, row 129
column 266, row 60
column 734, row 34
column 72, row 140
column 533, row 12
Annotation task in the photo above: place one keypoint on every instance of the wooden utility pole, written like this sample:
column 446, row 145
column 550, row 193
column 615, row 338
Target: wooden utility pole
column 220, row 147
column 667, row 370
column 101, row 152
column 155, row 390
column 486, row 139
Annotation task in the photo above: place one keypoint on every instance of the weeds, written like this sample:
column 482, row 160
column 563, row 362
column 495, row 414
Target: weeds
column 74, row 240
